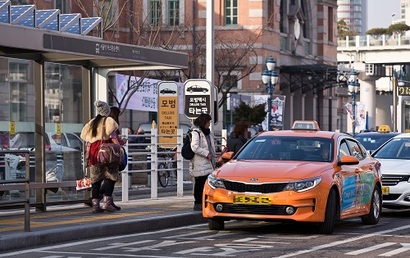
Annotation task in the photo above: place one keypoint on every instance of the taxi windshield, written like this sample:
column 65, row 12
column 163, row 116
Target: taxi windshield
column 288, row 148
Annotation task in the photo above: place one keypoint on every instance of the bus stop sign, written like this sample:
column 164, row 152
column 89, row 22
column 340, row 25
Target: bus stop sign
column 197, row 98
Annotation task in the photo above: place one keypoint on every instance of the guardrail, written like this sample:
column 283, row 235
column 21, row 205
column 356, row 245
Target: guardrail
column 151, row 153
column 19, row 184
column 373, row 41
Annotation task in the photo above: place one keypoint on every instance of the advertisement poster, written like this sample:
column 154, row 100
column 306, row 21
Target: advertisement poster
column 277, row 111
column 146, row 97
column 360, row 115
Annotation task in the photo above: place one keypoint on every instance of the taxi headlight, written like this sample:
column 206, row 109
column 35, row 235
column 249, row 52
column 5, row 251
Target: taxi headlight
column 215, row 182
column 303, row 185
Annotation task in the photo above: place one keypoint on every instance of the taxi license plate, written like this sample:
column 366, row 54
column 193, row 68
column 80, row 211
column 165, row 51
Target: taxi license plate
column 248, row 199
column 385, row 190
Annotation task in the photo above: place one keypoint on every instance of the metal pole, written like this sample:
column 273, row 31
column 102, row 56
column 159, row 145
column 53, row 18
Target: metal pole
column 269, row 105
column 394, row 102
column 354, row 113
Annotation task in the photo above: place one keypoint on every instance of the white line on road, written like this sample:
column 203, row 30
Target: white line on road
column 371, row 248
column 320, row 247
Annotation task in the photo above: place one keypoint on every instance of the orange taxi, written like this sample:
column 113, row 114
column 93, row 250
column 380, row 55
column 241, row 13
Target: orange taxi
column 302, row 175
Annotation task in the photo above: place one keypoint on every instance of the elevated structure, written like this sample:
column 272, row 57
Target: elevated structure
column 379, row 61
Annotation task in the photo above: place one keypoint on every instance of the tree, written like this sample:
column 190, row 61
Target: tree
column 251, row 114
column 231, row 55
column 344, row 30
column 376, row 32
column 398, row 28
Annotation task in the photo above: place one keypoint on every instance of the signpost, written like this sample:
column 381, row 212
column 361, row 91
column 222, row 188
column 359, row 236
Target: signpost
column 198, row 98
column 168, row 116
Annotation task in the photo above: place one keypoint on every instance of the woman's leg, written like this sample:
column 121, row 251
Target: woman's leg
column 199, row 188
column 95, row 191
column 108, row 203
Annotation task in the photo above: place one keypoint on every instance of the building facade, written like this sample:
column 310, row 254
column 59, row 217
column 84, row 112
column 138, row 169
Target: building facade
column 299, row 35
column 354, row 13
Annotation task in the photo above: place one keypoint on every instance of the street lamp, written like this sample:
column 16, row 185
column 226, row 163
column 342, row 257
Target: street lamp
column 353, row 86
column 270, row 78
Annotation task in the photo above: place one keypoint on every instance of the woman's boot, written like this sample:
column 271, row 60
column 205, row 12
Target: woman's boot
column 107, row 204
column 96, row 206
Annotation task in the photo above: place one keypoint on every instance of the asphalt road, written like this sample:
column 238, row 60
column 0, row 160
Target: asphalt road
column 390, row 238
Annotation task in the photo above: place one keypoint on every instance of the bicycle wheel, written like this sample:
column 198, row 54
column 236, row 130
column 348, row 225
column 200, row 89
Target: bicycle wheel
column 163, row 176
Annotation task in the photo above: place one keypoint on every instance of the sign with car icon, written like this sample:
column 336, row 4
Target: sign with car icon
column 168, row 115
column 167, row 91
column 197, row 98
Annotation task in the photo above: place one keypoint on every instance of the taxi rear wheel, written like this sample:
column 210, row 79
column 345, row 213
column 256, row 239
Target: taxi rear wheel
column 214, row 224
column 375, row 209
column 327, row 226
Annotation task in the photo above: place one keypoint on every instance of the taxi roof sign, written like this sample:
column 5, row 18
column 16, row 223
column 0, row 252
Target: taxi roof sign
column 384, row 129
column 305, row 125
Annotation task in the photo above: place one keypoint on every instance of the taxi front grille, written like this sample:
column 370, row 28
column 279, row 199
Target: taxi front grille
column 253, row 209
column 255, row 188
column 392, row 180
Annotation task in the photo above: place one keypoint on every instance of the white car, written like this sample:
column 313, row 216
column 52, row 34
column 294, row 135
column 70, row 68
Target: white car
column 394, row 156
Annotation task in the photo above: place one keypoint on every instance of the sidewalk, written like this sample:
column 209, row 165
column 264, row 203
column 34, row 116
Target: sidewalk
column 75, row 221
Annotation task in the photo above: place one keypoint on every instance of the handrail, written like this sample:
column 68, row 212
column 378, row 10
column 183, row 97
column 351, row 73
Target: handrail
column 370, row 42
column 19, row 184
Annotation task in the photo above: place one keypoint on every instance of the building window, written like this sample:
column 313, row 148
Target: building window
column 231, row 12
column 330, row 25
column 62, row 5
column 106, row 9
column 271, row 13
column 155, row 12
column 164, row 13
column 230, row 82
column 173, row 13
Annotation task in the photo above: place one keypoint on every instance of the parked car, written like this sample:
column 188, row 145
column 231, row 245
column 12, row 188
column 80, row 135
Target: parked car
column 58, row 148
column 394, row 156
column 53, row 142
column 303, row 175
column 373, row 140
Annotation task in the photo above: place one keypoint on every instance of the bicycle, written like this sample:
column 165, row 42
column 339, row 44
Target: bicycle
column 165, row 167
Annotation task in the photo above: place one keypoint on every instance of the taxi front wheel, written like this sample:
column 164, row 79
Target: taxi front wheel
column 327, row 226
column 375, row 208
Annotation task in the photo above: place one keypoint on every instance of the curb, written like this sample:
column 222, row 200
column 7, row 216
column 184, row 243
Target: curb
column 101, row 229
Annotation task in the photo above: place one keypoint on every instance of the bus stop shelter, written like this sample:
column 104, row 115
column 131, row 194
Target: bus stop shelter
column 95, row 57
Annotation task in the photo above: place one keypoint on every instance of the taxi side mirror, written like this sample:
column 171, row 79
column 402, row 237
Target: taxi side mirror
column 348, row 160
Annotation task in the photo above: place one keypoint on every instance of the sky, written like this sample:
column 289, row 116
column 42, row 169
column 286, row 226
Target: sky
column 380, row 13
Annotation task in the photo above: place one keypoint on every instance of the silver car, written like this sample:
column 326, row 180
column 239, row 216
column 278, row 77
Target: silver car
column 394, row 156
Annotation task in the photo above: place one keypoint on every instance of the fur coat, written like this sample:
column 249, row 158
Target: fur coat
column 109, row 127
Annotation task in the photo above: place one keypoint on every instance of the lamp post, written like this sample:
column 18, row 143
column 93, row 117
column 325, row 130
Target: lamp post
column 353, row 88
column 270, row 78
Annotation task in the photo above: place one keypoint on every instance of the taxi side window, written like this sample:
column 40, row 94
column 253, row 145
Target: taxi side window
column 344, row 150
column 355, row 150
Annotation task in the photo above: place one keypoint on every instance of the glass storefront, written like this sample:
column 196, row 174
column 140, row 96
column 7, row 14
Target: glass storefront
column 63, row 118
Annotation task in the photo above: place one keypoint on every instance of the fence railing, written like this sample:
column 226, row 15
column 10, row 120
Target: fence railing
column 20, row 184
column 151, row 153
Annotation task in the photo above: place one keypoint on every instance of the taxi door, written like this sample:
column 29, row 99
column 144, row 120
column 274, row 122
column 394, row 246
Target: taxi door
column 357, row 180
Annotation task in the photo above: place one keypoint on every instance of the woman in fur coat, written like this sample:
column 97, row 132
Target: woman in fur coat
column 102, row 128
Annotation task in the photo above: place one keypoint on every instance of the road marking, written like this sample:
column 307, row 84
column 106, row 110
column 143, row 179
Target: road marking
column 333, row 244
column 405, row 248
column 370, row 249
